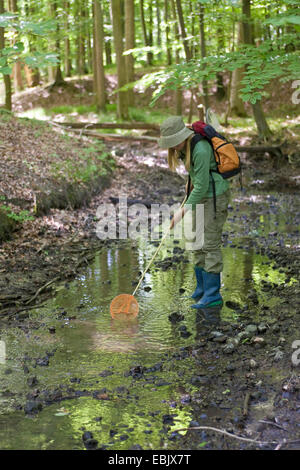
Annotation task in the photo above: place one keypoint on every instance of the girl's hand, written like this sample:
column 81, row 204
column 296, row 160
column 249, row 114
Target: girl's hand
column 177, row 217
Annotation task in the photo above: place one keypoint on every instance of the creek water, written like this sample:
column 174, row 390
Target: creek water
column 122, row 383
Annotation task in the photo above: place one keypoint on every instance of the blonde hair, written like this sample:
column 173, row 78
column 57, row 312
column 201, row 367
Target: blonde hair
column 173, row 156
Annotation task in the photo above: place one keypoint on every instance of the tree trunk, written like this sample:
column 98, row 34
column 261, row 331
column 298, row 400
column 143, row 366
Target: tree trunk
column 108, row 39
column 6, row 78
column 17, row 75
column 67, row 48
column 192, row 17
column 32, row 76
column 80, row 52
column 183, row 31
column 89, row 33
column 58, row 73
column 150, row 36
column 259, row 116
column 122, row 99
column 129, row 44
column 145, row 34
column 159, row 23
column 203, row 54
column 221, row 89
column 166, row 12
column 178, row 92
column 98, row 66
column 237, row 105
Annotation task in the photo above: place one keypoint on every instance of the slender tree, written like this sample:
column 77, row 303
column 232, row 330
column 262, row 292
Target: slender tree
column 67, row 44
column 58, row 80
column 187, row 50
column 122, row 97
column 221, row 89
column 237, row 106
column 158, row 21
column 129, row 44
column 32, row 75
column 146, row 36
column 98, row 66
column 178, row 92
column 167, row 32
column 203, row 53
column 17, row 72
column 259, row 116
column 107, row 33
column 6, row 77
column 80, row 46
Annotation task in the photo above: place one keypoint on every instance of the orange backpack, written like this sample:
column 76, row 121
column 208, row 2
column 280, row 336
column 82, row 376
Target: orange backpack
column 228, row 161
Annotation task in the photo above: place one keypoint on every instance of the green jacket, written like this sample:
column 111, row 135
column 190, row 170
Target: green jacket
column 202, row 161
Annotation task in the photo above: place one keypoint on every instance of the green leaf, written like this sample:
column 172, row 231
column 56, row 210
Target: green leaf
column 39, row 59
column 283, row 20
column 202, row 444
column 40, row 29
column 31, row 61
column 19, row 46
column 6, row 70
column 7, row 50
column 6, row 19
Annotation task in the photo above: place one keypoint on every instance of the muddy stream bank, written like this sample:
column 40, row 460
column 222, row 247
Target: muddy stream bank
column 73, row 378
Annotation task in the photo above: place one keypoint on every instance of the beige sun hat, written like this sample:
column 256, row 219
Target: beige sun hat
column 172, row 132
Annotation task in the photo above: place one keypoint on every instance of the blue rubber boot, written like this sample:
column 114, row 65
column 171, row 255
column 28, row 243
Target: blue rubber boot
column 212, row 296
column 199, row 291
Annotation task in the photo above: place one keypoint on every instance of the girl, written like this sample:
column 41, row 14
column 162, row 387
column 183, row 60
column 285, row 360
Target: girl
column 198, row 158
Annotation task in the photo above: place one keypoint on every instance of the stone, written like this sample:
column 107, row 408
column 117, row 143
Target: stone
column 220, row 339
column 229, row 348
column 32, row 407
column 175, row 317
column 253, row 364
column 251, row 330
column 258, row 341
column 262, row 328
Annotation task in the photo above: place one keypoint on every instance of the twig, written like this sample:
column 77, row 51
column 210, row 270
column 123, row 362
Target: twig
column 113, row 137
column 41, row 248
column 69, row 240
column 273, row 424
column 222, row 431
column 278, row 447
column 108, row 125
column 246, row 404
column 27, row 308
column 40, row 290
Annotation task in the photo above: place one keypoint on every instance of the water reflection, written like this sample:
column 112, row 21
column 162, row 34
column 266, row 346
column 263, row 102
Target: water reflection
column 98, row 351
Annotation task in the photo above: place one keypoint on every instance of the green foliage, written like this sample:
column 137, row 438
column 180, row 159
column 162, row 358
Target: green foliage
column 40, row 59
column 94, row 162
column 21, row 216
column 7, row 19
column 262, row 64
column 69, row 109
column 21, row 29
column 41, row 27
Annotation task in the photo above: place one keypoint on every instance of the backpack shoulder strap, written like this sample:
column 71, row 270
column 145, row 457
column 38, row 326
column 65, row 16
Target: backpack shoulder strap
column 194, row 141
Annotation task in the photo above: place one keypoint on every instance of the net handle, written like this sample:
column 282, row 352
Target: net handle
column 156, row 251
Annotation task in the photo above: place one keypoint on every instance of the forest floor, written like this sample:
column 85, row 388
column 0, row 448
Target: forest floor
column 52, row 243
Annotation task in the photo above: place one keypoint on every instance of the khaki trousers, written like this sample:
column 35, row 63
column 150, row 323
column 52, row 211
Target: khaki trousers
column 209, row 256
